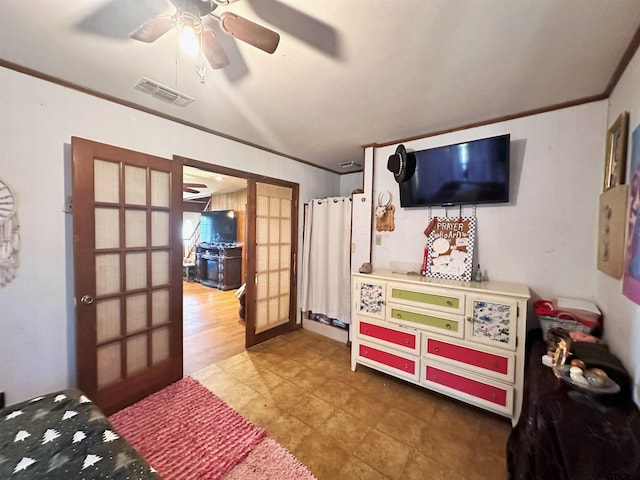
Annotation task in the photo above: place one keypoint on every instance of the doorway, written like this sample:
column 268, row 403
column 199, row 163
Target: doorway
column 214, row 328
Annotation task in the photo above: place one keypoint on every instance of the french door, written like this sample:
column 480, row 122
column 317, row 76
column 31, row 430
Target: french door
column 127, row 213
column 272, row 236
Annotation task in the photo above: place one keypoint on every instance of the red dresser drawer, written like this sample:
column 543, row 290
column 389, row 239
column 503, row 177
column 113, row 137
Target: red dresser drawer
column 402, row 339
column 469, row 356
column 396, row 362
column 474, row 388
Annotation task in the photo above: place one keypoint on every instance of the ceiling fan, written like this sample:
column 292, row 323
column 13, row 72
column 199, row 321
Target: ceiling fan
column 191, row 187
column 189, row 16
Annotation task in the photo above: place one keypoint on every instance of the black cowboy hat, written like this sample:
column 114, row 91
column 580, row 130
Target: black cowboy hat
column 402, row 164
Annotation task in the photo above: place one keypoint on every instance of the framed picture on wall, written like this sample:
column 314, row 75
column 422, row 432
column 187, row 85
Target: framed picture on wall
column 612, row 229
column 631, row 267
column 616, row 157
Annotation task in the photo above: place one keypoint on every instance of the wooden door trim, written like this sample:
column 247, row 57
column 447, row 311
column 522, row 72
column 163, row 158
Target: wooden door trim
column 232, row 172
column 250, row 251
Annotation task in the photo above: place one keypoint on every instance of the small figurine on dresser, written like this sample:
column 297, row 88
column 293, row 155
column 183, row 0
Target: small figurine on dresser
column 584, row 361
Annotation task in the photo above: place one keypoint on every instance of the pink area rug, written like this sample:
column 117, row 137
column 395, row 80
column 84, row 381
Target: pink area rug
column 269, row 461
column 185, row 432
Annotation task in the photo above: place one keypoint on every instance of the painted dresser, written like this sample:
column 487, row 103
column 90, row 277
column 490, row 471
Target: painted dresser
column 462, row 339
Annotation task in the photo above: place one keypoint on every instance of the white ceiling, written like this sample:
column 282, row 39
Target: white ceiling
column 346, row 72
column 215, row 183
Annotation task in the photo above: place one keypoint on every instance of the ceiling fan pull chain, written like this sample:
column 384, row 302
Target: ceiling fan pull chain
column 176, row 60
column 202, row 69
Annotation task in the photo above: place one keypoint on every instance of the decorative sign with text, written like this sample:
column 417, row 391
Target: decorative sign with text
column 449, row 251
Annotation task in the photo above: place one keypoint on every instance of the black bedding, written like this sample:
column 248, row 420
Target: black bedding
column 565, row 435
column 63, row 435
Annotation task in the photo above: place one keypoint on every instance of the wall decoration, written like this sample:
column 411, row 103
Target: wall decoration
column 616, row 157
column 9, row 235
column 631, row 269
column 449, row 250
column 611, row 230
column 385, row 214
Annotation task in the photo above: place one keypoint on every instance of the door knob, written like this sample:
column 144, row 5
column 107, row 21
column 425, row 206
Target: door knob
column 87, row 299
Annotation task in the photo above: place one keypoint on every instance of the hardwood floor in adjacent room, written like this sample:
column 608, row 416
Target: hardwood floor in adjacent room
column 212, row 327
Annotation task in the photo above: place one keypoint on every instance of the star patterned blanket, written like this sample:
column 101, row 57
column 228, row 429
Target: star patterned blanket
column 63, row 435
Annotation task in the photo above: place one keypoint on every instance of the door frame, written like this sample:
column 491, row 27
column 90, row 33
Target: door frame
column 251, row 338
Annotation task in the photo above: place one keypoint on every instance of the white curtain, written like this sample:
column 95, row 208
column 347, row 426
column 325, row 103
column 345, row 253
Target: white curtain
column 326, row 279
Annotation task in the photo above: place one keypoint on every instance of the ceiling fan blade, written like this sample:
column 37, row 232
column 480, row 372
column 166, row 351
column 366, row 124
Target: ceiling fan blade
column 194, row 185
column 118, row 18
column 250, row 32
column 213, row 51
column 153, row 28
column 312, row 31
column 189, row 190
column 237, row 68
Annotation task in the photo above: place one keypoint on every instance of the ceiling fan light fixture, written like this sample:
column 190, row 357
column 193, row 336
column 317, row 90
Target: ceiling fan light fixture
column 196, row 38
column 190, row 33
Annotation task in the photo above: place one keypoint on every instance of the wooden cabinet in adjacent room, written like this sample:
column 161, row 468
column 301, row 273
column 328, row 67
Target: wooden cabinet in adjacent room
column 219, row 265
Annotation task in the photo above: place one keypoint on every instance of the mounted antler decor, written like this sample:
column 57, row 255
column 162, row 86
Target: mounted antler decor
column 384, row 214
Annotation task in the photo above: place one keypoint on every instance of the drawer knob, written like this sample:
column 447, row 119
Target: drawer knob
column 449, row 303
column 447, row 326
column 406, row 341
column 399, row 316
column 436, row 349
column 366, row 330
column 468, row 319
column 494, row 364
column 406, row 366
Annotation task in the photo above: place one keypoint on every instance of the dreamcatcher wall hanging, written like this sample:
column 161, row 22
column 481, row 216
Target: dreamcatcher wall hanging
column 9, row 235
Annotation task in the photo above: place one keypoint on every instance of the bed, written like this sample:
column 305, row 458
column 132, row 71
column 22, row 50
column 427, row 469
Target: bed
column 63, row 435
column 564, row 435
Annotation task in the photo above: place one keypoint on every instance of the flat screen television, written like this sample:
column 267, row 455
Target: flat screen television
column 472, row 172
column 218, row 226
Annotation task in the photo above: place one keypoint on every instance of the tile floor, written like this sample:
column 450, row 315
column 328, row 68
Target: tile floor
column 356, row 425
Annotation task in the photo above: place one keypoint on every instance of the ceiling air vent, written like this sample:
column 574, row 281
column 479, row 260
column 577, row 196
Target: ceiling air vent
column 163, row 92
column 350, row 164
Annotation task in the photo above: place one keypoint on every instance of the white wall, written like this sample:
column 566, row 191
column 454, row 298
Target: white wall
column 349, row 182
column 622, row 319
column 545, row 237
column 38, row 119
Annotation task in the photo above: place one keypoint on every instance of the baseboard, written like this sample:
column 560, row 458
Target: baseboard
column 335, row 333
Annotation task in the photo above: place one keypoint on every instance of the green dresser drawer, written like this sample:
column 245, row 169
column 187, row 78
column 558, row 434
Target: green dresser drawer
column 433, row 321
column 426, row 298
